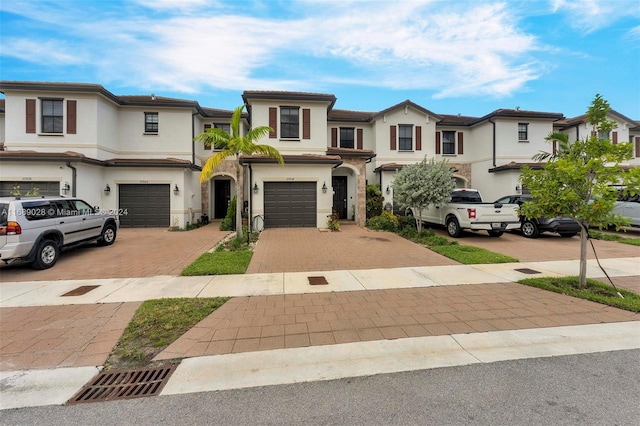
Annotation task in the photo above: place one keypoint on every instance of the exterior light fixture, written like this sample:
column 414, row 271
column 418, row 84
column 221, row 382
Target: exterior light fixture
column 176, row 190
column 66, row 187
column 324, row 187
column 388, row 189
column 255, row 188
column 107, row 190
column 517, row 188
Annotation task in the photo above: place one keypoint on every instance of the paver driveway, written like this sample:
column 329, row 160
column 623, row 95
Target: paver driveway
column 143, row 252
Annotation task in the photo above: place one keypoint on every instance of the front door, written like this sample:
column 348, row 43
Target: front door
column 222, row 189
column 340, row 196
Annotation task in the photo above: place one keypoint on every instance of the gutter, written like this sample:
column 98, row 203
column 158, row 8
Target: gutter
column 74, row 178
column 494, row 141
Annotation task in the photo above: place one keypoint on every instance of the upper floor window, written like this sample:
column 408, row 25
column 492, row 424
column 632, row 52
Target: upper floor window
column 405, row 137
column 448, row 142
column 52, row 116
column 347, row 137
column 603, row 135
column 224, row 126
column 151, row 122
column 290, row 122
column 523, row 131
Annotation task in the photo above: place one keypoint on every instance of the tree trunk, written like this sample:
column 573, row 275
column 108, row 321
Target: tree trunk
column 418, row 221
column 239, row 198
column 583, row 257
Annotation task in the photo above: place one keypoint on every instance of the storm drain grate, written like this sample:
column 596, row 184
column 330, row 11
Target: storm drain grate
column 124, row 384
column 81, row 290
column 318, row 281
column 528, row 271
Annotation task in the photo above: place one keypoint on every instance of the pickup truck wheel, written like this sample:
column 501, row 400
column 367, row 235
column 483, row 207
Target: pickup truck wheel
column 108, row 236
column 495, row 233
column 568, row 234
column 46, row 255
column 453, row 227
column 530, row 229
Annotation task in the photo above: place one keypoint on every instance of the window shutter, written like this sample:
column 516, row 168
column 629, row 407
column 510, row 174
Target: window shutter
column 360, row 139
column 418, row 138
column 273, row 122
column 306, row 123
column 614, row 137
column 206, row 146
column 437, row 142
column 31, row 116
column 555, row 147
column 71, row 117
column 392, row 138
column 637, row 146
column 460, row 143
column 334, row 137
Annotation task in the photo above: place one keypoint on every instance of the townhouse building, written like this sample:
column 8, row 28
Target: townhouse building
column 136, row 155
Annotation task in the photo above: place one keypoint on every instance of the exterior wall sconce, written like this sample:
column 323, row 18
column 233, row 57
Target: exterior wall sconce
column 255, row 188
column 107, row 190
column 518, row 188
column 388, row 190
column 324, row 187
column 66, row 187
column 176, row 190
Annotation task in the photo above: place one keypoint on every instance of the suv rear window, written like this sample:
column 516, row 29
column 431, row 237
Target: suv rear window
column 4, row 213
column 37, row 210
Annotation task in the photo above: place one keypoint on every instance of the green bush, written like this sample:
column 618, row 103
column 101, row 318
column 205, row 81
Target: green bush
column 333, row 222
column 374, row 201
column 387, row 221
column 229, row 222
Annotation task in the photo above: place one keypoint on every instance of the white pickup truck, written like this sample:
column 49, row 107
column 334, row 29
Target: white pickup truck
column 466, row 210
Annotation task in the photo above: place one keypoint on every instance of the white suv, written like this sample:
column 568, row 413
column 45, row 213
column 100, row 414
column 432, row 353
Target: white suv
column 35, row 229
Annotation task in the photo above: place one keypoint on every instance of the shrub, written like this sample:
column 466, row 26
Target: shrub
column 229, row 222
column 387, row 221
column 374, row 201
column 333, row 223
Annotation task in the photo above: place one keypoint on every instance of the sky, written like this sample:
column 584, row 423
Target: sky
column 450, row 57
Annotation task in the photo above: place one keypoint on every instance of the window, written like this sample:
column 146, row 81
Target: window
column 223, row 126
column 151, row 122
column 603, row 135
column 405, row 137
column 290, row 122
column 52, row 119
column 346, row 137
column 523, row 131
column 448, row 142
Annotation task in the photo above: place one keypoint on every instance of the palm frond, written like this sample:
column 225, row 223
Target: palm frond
column 269, row 151
column 235, row 121
column 258, row 133
column 212, row 163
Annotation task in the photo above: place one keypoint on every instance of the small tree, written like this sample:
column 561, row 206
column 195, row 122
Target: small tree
column 421, row 184
column 233, row 145
column 374, row 201
column 577, row 181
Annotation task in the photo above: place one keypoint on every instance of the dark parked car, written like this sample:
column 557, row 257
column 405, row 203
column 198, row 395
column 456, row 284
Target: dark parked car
column 532, row 228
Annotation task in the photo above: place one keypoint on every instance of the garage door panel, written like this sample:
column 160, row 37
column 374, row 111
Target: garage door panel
column 147, row 205
column 44, row 188
column 290, row 204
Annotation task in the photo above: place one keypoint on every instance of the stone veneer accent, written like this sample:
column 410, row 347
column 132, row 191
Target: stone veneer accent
column 361, row 190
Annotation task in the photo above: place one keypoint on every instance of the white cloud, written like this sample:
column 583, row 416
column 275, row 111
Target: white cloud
column 454, row 49
column 40, row 51
column 591, row 15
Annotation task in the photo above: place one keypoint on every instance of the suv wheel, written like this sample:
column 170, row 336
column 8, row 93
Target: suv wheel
column 46, row 255
column 530, row 229
column 108, row 236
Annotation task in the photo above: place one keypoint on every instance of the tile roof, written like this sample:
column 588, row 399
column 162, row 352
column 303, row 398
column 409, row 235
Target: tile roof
column 411, row 104
column 351, row 116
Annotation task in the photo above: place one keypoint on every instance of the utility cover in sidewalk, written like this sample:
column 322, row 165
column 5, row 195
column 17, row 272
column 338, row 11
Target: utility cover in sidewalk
column 81, row 290
column 317, row 281
column 528, row 271
column 124, row 384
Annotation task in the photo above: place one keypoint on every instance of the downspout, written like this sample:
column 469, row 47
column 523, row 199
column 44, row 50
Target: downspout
column 494, row 141
column 193, row 138
column 74, row 178
column 577, row 132
column 250, row 212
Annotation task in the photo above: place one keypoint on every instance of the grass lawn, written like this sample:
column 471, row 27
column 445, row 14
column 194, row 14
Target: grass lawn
column 470, row 255
column 155, row 325
column 595, row 291
column 614, row 237
column 220, row 263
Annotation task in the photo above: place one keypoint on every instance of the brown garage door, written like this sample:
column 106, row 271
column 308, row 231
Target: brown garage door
column 44, row 188
column 290, row 205
column 146, row 205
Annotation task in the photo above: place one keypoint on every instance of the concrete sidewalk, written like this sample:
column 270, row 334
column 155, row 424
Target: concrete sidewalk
column 281, row 329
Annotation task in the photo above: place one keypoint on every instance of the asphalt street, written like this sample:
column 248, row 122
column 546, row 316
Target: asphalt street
column 589, row 389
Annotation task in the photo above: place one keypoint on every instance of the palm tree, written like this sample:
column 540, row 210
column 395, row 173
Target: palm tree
column 235, row 145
